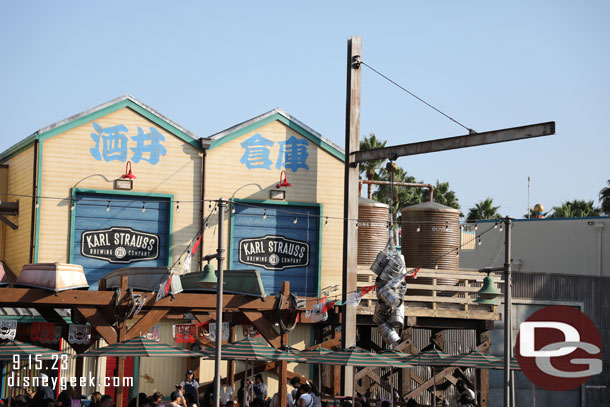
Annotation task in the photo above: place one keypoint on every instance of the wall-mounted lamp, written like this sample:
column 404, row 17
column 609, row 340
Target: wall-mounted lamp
column 126, row 180
column 283, row 183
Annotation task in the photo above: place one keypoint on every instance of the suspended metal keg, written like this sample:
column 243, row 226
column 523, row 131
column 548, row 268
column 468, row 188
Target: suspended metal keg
column 388, row 294
column 397, row 318
column 392, row 269
column 389, row 335
column 382, row 312
column 380, row 262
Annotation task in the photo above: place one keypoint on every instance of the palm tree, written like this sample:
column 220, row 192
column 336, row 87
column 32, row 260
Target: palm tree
column 403, row 196
column 604, row 198
column 442, row 194
column 577, row 208
column 369, row 168
column 483, row 210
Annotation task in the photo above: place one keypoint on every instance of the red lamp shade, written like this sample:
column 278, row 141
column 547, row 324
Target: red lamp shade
column 128, row 174
column 283, row 183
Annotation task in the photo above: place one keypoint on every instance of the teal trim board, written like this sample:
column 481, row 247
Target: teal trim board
column 38, row 190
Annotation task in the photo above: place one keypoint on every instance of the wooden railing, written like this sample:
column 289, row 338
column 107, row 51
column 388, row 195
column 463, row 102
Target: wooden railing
column 436, row 293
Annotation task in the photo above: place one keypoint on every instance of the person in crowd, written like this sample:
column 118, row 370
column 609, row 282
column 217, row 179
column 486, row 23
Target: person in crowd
column 260, row 388
column 275, row 401
column 305, row 399
column 412, row 403
column 176, row 399
column 295, row 382
column 43, row 392
column 190, row 385
column 190, row 400
column 157, row 399
column 95, row 398
column 315, row 395
column 243, row 393
column 257, row 402
column 230, row 403
column 106, row 401
column 466, row 397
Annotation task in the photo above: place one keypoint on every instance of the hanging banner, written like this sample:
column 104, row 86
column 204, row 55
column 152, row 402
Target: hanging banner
column 319, row 312
column 225, row 331
column 119, row 245
column 249, row 330
column 274, row 252
column 79, row 334
column 8, row 329
column 56, row 336
column 154, row 334
column 184, row 333
column 43, row 332
column 202, row 330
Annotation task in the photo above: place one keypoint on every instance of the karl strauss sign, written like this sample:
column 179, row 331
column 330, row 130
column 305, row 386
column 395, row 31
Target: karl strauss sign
column 119, row 245
column 273, row 252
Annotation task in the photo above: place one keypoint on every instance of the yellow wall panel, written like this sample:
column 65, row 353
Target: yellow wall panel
column 227, row 177
column 20, row 179
column 68, row 163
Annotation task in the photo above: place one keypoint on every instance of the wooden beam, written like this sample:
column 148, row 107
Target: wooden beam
column 149, row 319
column 101, row 324
column 452, row 143
column 121, row 337
column 263, row 326
column 350, row 200
column 33, row 297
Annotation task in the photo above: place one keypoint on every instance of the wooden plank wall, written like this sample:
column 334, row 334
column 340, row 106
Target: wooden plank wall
column 3, row 190
column 68, row 163
column 227, row 177
column 20, row 178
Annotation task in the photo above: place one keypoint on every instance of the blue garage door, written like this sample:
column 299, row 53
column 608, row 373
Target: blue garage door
column 266, row 238
column 116, row 231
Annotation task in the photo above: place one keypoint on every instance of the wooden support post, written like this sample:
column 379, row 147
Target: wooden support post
column 350, row 202
column 483, row 343
column 283, row 365
column 122, row 334
column 231, row 363
column 404, row 377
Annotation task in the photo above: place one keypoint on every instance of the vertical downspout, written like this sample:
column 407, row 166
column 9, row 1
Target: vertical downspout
column 205, row 144
column 34, row 199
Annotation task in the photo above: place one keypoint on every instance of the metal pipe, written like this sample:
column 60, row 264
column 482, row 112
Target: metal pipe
column 507, row 312
column 219, row 288
column 402, row 184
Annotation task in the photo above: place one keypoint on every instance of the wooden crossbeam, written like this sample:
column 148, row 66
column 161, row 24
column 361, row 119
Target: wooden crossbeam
column 101, row 324
column 452, row 143
column 146, row 322
column 264, row 326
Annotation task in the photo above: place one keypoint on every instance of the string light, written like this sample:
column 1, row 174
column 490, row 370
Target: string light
column 496, row 225
column 108, row 207
column 36, row 204
column 210, row 206
column 265, row 214
column 178, row 206
column 357, row 224
column 418, row 228
column 295, row 219
column 143, row 206
column 476, row 227
column 436, row 266
column 326, row 222
column 206, row 225
column 233, row 209
column 501, row 227
column 72, row 205
column 479, row 242
column 446, row 226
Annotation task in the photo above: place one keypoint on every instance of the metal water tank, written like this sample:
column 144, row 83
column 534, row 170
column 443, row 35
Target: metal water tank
column 373, row 232
column 430, row 236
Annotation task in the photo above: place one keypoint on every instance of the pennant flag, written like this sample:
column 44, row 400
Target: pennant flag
column 353, row 299
column 366, row 290
column 413, row 273
column 8, row 329
column 196, row 246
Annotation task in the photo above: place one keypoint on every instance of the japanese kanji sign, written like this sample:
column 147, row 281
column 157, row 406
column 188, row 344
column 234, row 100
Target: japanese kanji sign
column 111, row 144
column 292, row 153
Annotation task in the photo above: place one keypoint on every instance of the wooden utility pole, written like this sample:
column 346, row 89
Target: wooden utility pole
column 350, row 202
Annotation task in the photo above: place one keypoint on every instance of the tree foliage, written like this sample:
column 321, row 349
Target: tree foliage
column 442, row 194
column 604, row 198
column 369, row 168
column 577, row 208
column 483, row 210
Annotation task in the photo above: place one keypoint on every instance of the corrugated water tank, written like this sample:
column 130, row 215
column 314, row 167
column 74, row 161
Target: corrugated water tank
column 373, row 232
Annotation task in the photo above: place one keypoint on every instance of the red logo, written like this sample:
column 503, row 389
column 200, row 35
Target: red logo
column 559, row 348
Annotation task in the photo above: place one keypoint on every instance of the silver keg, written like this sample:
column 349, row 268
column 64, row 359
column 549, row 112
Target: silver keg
column 388, row 295
column 382, row 312
column 392, row 269
column 380, row 261
column 389, row 335
column 397, row 318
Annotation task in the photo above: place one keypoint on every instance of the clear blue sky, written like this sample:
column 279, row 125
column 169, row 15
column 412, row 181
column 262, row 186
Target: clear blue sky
column 210, row 65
